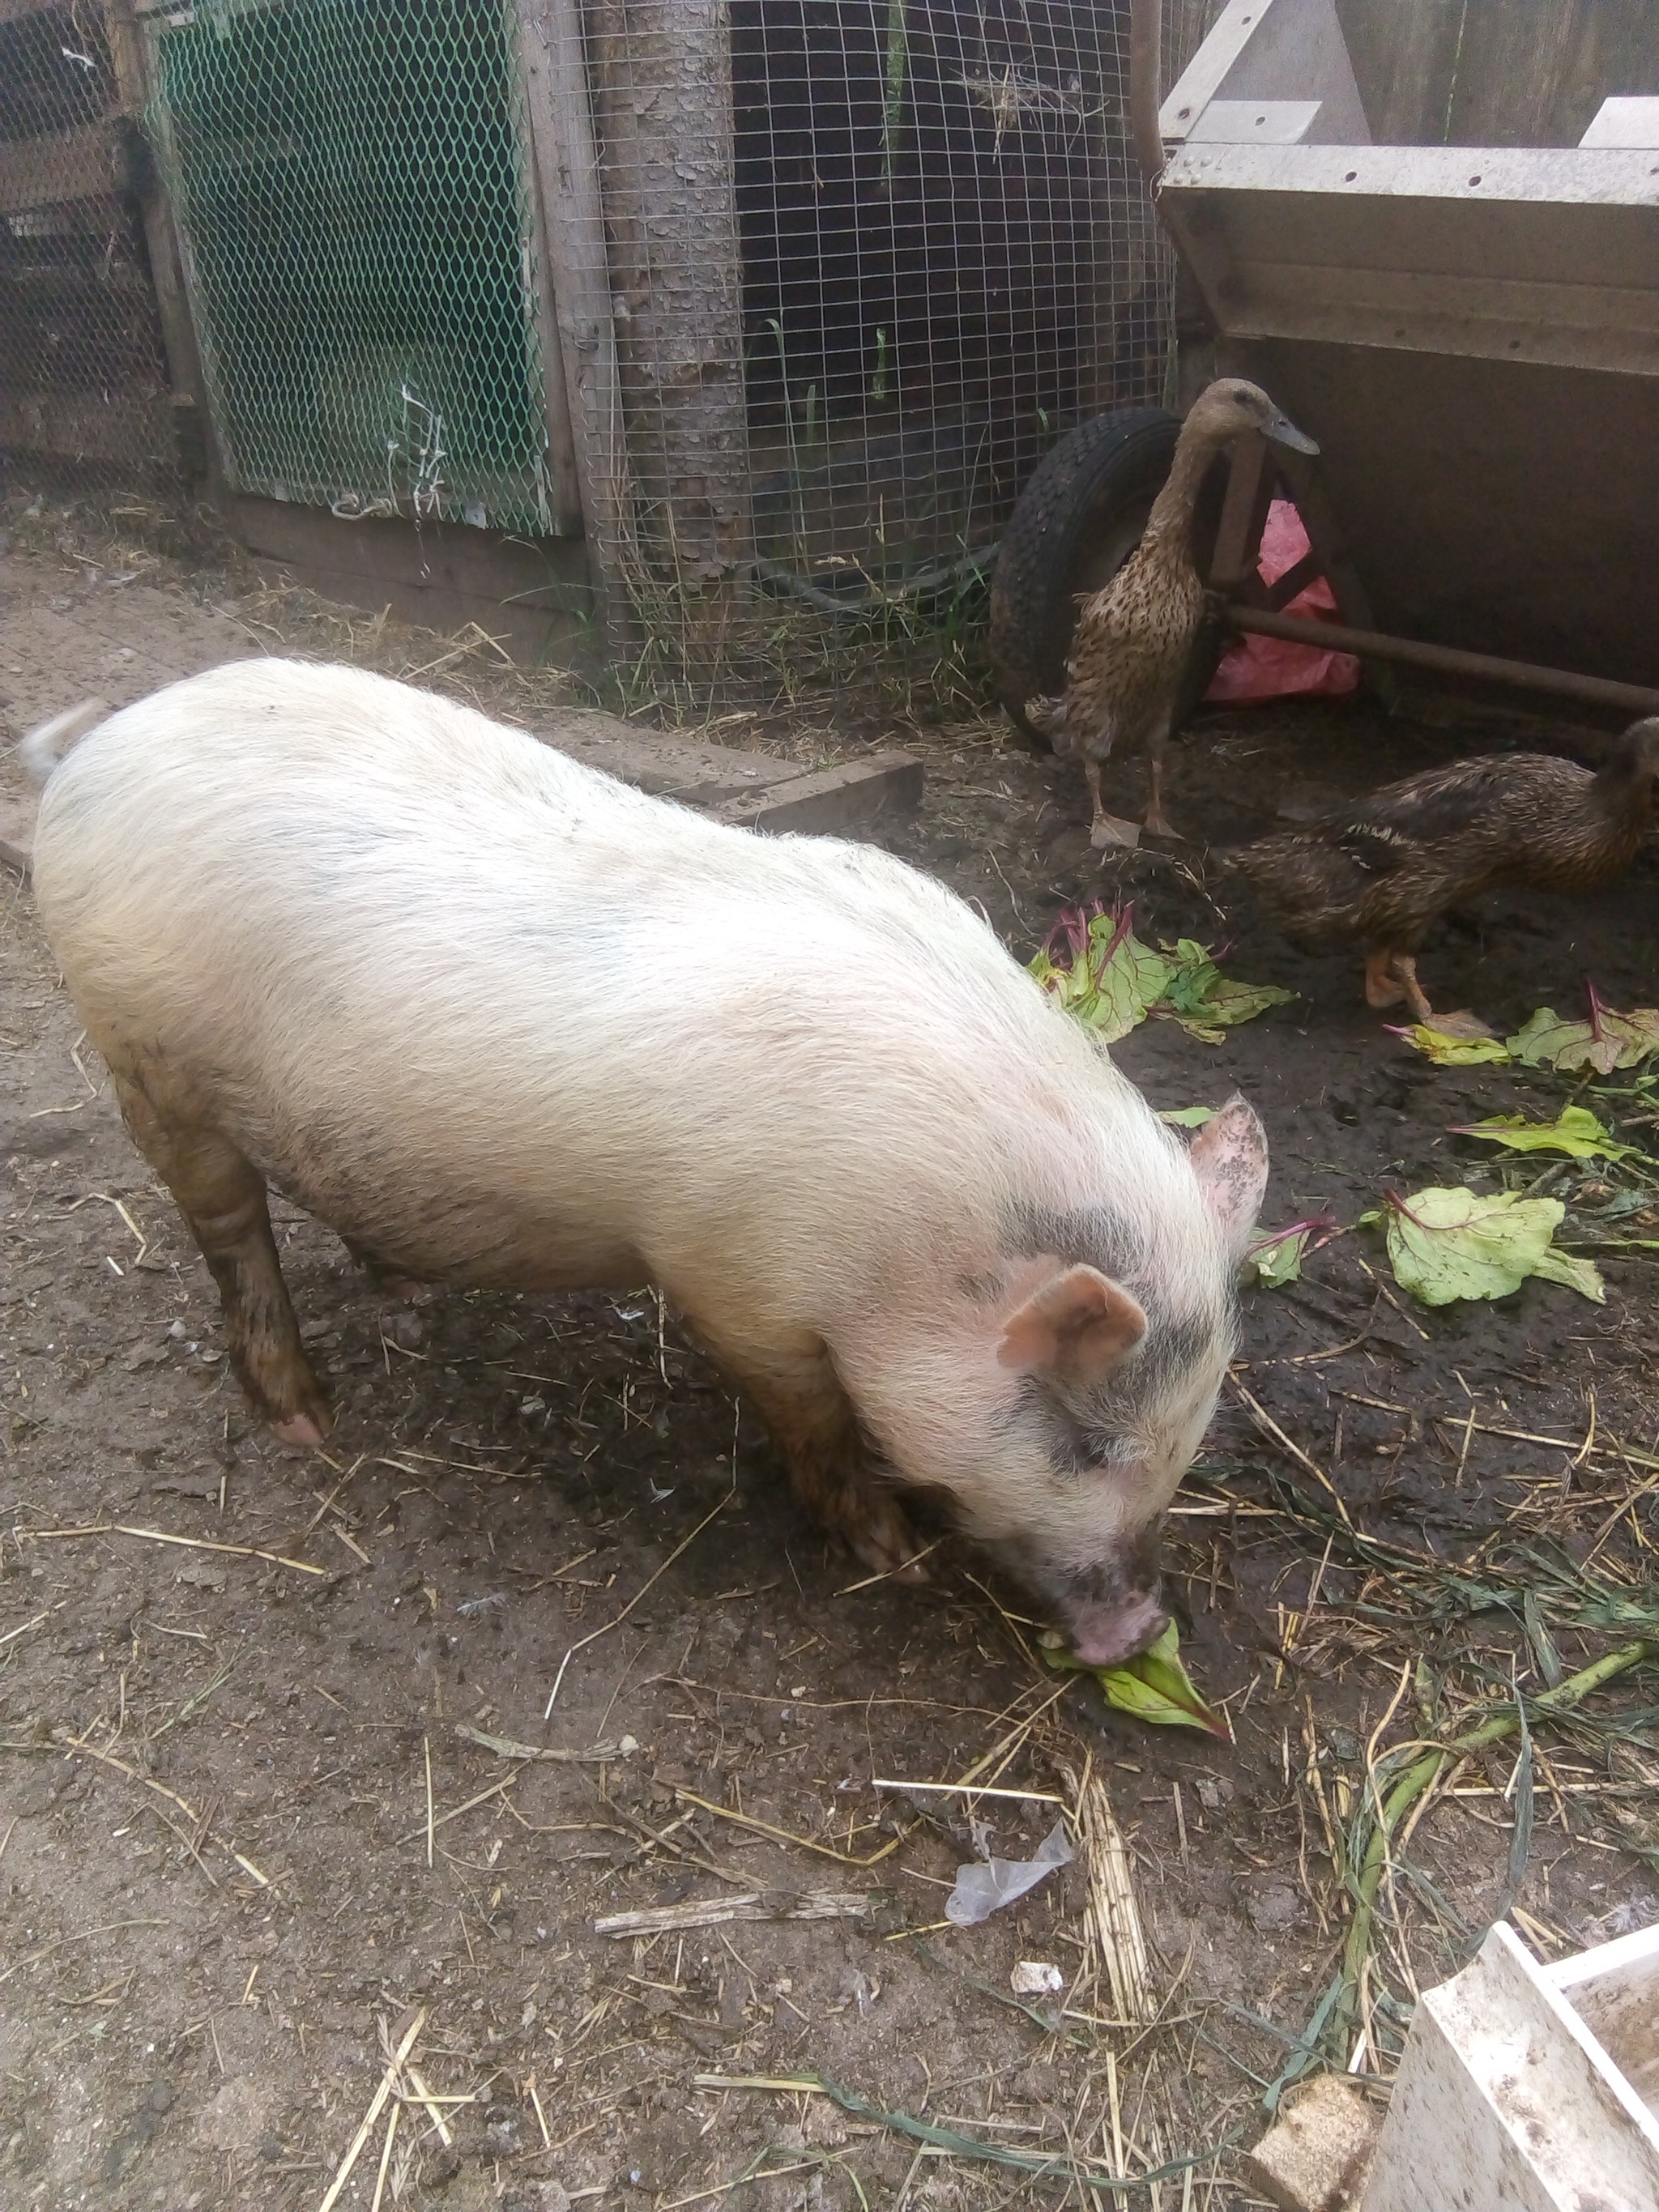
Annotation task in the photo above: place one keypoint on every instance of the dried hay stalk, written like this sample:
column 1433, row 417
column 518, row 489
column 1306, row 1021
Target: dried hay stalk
column 1115, row 1944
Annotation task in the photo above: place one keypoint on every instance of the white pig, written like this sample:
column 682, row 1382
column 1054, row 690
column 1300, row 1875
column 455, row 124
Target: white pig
column 504, row 1022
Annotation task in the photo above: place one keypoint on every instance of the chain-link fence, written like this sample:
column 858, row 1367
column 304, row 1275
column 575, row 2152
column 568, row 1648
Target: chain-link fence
column 350, row 177
column 83, row 378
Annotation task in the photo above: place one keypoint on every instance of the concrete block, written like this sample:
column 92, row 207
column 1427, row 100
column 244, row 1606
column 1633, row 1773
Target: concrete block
column 1314, row 2157
column 834, row 798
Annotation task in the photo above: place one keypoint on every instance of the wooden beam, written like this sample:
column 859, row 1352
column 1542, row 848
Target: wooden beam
column 85, row 426
column 70, row 165
column 1244, row 513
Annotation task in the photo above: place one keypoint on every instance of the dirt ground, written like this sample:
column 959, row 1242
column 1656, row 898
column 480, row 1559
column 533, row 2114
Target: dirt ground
column 253, row 1835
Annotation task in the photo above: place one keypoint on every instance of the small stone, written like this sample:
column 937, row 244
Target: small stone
column 1035, row 1978
column 1274, row 1907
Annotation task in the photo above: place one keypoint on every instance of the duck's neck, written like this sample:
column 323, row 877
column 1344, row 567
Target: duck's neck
column 1170, row 525
column 1623, row 787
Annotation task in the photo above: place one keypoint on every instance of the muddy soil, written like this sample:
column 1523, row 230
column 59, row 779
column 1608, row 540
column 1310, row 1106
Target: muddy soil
column 253, row 1831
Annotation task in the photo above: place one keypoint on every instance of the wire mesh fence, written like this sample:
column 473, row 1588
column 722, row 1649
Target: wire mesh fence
column 83, row 378
column 351, row 180
column 869, row 258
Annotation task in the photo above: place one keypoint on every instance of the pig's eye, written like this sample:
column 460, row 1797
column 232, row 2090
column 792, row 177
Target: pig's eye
column 1079, row 1449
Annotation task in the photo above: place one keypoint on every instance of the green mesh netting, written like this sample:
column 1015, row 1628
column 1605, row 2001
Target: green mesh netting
column 351, row 182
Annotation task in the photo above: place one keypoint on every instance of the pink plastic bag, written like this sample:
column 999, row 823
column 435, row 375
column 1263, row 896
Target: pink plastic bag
column 1256, row 668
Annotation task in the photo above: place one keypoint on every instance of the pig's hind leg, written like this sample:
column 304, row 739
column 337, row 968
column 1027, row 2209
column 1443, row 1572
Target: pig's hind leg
column 222, row 1196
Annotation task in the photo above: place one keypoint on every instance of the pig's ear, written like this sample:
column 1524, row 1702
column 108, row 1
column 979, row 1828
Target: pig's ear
column 1229, row 1158
column 1079, row 1327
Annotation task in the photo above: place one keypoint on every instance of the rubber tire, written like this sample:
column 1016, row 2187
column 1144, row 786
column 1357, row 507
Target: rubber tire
column 1077, row 521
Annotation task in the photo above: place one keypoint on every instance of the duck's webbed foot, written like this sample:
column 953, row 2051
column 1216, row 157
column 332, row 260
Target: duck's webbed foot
column 1383, row 987
column 1106, row 829
column 1395, row 974
column 1405, row 969
column 1158, row 823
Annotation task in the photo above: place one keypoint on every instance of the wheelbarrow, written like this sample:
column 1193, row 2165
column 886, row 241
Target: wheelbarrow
column 1471, row 333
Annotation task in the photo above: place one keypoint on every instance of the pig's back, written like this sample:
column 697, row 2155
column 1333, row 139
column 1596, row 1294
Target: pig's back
column 417, row 963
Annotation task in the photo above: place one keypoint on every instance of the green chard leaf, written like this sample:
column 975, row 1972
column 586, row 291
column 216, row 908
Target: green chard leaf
column 1575, row 1130
column 1607, row 1040
column 1446, row 1244
column 1154, row 1687
column 1447, row 1051
column 1113, row 980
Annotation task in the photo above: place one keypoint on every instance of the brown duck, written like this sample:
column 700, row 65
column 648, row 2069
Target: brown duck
column 1135, row 638
column 1379, row 873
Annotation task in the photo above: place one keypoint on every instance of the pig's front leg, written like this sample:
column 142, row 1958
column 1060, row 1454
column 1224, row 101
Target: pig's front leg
column 800, row 1398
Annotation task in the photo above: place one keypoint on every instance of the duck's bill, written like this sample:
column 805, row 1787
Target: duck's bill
column 1284, row 432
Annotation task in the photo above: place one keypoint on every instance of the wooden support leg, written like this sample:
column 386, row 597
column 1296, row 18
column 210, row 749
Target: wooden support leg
column 1243, row 516
column 1353, row 606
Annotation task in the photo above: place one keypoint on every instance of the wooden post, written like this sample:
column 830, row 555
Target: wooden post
column 194, row 441
column 534, row 69
column 662, row 92
column 566, row 185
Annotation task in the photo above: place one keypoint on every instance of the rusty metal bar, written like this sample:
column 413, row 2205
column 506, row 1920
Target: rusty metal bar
column 1145, row 60
column 1446, row 660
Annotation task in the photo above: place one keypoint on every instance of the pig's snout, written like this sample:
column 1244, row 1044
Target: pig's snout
column 1103, row 1637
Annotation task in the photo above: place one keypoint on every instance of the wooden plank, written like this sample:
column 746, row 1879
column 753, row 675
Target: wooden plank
column 70, row 165
column 130, row 54
column 566, row 162
column 85, row 426
column 1403, row 60
column 556, row 400
column 533, row 597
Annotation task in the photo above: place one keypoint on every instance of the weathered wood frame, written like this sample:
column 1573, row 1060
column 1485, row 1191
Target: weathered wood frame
column 1471, row 334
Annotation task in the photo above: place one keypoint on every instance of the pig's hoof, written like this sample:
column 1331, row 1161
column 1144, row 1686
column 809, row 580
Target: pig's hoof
column 300, row 1429
column 885, row 1541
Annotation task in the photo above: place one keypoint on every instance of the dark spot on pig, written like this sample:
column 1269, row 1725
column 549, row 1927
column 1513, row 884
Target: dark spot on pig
column 1088, row 1237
